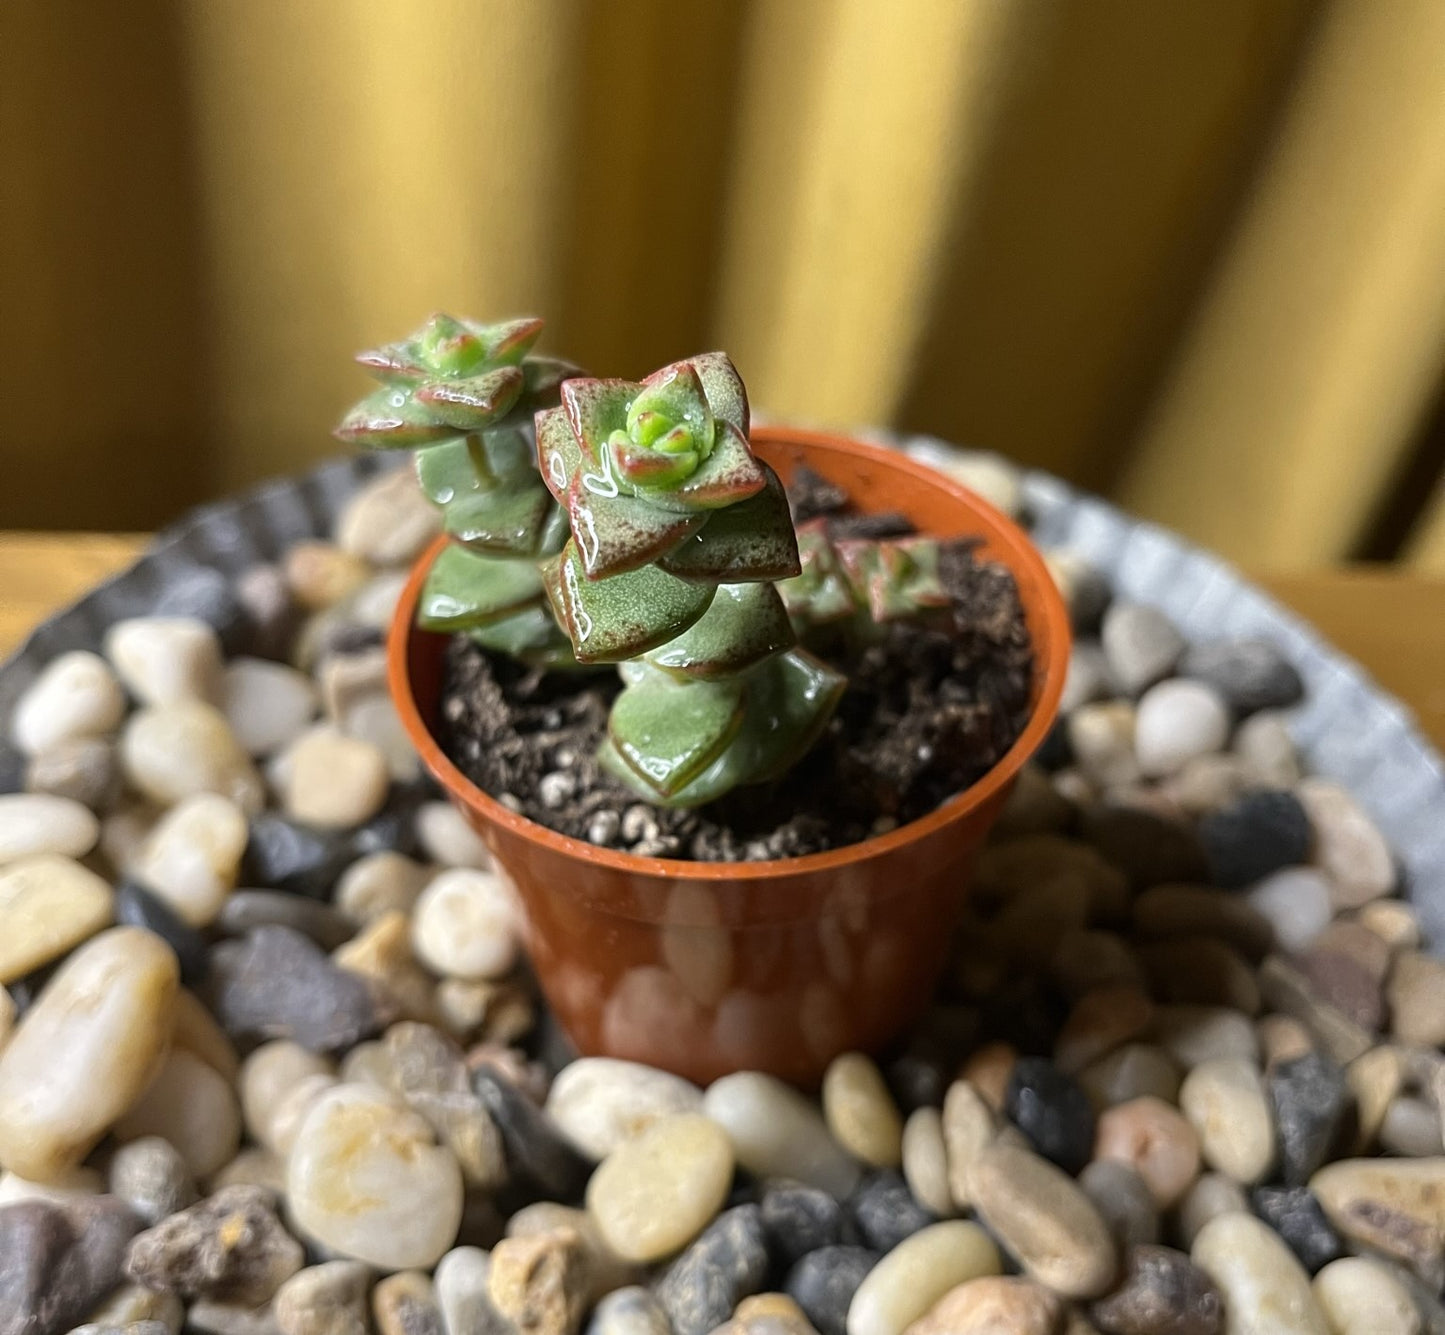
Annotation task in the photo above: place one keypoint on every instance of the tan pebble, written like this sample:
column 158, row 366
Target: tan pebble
column 34, row 825
column 1265, row 1289
column 600, row 1102
column 1045, row 1220
column 75, row 696
column 1374, row 1078
column 860, row 1111
column 197, row 1032
column 7, row 1017
column 1101, row 737
column 995, row 1305
column 917, row 1273
column 656, row 1192
column 73, row 1184
column 164, row 660
column 1360, row 1297
column 48, row 906
column 925, row 1161
column 1206, row 783
column 540, row 1283
column 268, row 1075
column 172, row 752
column 1194, row 1034
column 382, row 952
column 294, row 1108
column 989, row 1070
column 1131, row 1072
column 381, row 883
column 321, row 575
column 123, row 834
column 1393, row 921
column 192, row 856
column 1225, row 1101
column 1411, row 1127
column 1416, row 993
column 193, row 1107
column 774, row 1306
column 1084, row 961
column 406, row 1304
column 1101, row 1021
column 969, row 1125
column 1285, row 989
column 388, row 521
column 132, row 1303
column 334, row 781
column 1282, row 1038
column 85, row 1051
column 253, row 1167
column 606, row 1271
column 1201, row 971
column 1348, row 844
column 325, row 1299
column 1393, row 1206
column 1212, row 1194
column 1156, row 1141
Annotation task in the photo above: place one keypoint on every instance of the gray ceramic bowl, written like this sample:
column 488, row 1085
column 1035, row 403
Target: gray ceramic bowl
column 1348, row 729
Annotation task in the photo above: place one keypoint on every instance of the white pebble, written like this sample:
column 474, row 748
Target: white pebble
column 860, row 1111
column 917, row 1273
column 77, row 695
column 174, row 751
column 446, row 837
column 1265, row 1289
column 776, row 1132
column 1296, row 901
column 268, row 705
column 267, row 1075
column 388, row 521
column 1225, row 1102
column 1264, row 745
column 48, row 906
column 165, row 660
column 72, row 1185
column 193, row 1107
column 1360, row 1297
column 465, row 925
column 192, row 857
column 32, row 824
column 599, row 1102
column 1349, row 847
column 380, row 883
column 1178, row 721
column 334, row 781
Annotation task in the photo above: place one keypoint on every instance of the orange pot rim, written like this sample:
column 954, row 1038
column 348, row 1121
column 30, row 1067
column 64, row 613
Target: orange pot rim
column 1011, row 545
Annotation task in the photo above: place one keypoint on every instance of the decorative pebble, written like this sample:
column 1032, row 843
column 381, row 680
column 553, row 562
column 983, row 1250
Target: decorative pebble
column 334, row 781
column 629, row 1311
column 1251, row 674
column 191, row 858
column 1089, row 959
column 135, row 906
column 1156, row 1141
column 1281, row 1039
column 1200, row 971
column 1134, row 1071
column 367, row 1179
column 388, row 521
column 969, row 1125
column 1374, row 1080
column 1360, row 1297
column 446, row 837
column 1267, row 751
column 993, row 1303
column 1295, row 1215
column 1296, row 904
column 1101, row 739
column 282, row 855
column 462, row 1293
column 656, row 1192
column 536, row 1152
column 1162, row 1293
column 321, row 574
column 1411, row 1127
column 85, row 1051
column 84, row 770
column 1311, row 1103
column 1416, row 995
column 267, row 1075
column 776, row 1132
column 1348, row 846
column 245, row 910
column 1258, row 1278
column 1225, row 1101
column 35, row 824
column 1141, row 643
column 1051, row 1110
column 824, row 1283
column 229, row 1248
column 798, row 1220
column 48, row 905
column 380, row 883
column 1124, row 1201
column 1043, row 1218
column 1260, row 833
column 606, row 1270
column 151, row 1177
column 75, row 696
column 326, row 1299
column 137, row 1311
column 726, row 1264
column 1177, row 721
column 277, row 984
column 925, row 1161
column 1393, row 921
column 1195, row 1034
column 176, row 751
column 860, row 1112
column 406, row 1304
column 1187, row 910
column 1391, row 1206
column 381, row 953
column 192, row 1107
column 166, row 660
column 885, row 1212
column 1211, row 1195
column 599, row 1102
column 268, row 705
column 465, row 925
column 1285, row 989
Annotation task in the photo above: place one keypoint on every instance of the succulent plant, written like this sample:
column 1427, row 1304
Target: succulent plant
column 639, row 530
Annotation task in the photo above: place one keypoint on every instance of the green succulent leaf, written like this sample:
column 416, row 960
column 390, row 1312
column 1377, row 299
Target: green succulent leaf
column 464, row 590
column 726, row 395
column 391, row 419
column 475, row 402
column 620, row 617
column 728, row 475
column 894, row 580
column 531, row 635
column 595, row 409
column 472, row 465
column 667, row 732
column 752, row 540
column 508, row 520
column 618, row 533
column 745, row 624
column 820, row 594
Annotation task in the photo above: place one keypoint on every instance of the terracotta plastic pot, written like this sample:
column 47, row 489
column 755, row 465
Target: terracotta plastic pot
column 706, row 968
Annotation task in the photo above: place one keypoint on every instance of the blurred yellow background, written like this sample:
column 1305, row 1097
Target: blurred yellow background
column 1190, row 252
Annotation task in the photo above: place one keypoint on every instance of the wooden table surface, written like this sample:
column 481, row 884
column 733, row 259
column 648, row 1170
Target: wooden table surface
column 1392, row 623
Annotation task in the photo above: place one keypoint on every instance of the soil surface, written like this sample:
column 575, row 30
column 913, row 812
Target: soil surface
column 926, row 713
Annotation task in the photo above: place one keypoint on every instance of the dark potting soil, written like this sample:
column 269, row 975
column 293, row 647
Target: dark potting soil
column 926, row 713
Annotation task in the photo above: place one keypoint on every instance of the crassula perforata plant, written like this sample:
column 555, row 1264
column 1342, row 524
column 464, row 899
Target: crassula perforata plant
column 633, row 525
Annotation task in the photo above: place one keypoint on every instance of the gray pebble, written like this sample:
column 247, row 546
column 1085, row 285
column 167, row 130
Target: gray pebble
column 726, row 1264
column 245, row 909
column 799, row 1219
column 1141, row 643
column 1251, row 674
column 1124, row 1201
column 1162, row 1293
column 1311, row 1102
column 1295, row 1214
column 885, row 1212
column 151, row 1177
column 629, row 1311
column 536, row 1154
column 823, row 1284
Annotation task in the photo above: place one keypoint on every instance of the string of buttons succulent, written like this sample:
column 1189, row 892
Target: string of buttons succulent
column 609, row 522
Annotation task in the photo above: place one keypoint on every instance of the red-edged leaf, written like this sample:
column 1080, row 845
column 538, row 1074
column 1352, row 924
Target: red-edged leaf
column 596, row 408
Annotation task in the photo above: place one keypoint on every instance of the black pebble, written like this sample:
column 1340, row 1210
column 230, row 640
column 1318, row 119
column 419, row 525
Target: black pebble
column 885, row 1210
column 1249, row 674
column 1052, row 1110
column 726, row 1264
column 536, row 1154
column 1055, row 752
column 283, row 855
column 917, row 1081
column 392, row 831
column 1025, row 1012
column 823, row 1284
column 1295, row 1214
column 135, row 906
column 798, row 1220
column 1312, row 1108
column 1258, row 834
